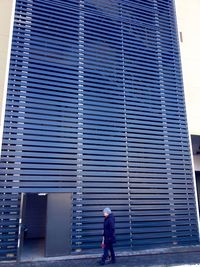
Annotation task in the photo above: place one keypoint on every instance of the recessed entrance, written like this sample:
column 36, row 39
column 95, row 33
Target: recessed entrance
column 45, row 229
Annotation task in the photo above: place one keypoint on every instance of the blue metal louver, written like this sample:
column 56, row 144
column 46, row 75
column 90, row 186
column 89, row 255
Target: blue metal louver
column 95, row 106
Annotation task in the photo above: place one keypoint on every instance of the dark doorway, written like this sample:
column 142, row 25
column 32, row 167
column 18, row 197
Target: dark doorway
column 33, row 225
column 46, row 225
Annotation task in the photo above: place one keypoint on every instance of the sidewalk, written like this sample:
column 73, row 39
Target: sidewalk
column 176, row 257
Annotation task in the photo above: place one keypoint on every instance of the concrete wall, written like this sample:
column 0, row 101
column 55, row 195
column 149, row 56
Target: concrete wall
column 188, row 24
column 6, row 12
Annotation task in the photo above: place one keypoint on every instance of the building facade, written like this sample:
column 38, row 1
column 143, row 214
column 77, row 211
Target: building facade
column 95, row 116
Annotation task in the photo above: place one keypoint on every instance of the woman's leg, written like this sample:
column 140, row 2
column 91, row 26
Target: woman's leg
column 112, row 253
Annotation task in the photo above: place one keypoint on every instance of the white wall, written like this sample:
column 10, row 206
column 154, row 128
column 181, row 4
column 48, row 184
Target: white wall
column 188, row 17
column 6, row 22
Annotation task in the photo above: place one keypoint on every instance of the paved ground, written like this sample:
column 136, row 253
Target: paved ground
column 176, row 259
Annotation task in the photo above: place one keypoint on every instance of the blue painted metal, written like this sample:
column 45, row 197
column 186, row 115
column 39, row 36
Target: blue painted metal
column 95, row 106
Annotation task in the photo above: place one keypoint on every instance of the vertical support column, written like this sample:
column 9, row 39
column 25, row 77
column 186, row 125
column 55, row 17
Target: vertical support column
column 125, row 125
column 81, row 51
column 165, row 125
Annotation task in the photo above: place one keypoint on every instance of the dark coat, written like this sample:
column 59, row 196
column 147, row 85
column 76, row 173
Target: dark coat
column 109, row 229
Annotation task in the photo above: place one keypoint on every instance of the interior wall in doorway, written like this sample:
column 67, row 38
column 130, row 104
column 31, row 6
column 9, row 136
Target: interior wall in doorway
column 35, row 216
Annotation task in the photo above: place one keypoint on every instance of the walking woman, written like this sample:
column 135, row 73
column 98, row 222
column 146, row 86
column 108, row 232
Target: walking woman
column 108, row 236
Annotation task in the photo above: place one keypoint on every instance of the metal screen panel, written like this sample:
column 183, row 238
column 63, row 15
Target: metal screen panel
column 95, row 106
column 9, row 225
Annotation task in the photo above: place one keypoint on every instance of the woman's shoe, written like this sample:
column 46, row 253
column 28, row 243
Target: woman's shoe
column 101, row 262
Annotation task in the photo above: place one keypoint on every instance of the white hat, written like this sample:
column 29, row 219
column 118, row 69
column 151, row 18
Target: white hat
column 107, row 210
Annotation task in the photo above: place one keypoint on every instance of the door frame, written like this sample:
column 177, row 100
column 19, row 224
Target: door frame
column 20, row 242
